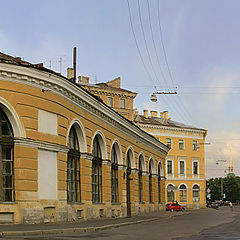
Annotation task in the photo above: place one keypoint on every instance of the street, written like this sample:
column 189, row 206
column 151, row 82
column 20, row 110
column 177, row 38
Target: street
column 222, row 223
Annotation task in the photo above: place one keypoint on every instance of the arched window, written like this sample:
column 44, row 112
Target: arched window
column 196, row 195
column 183, row 193
column 140, row 183
column 6, row 163
column 73, row 168
column 159, row 182
column 114, row 175
column 96, row 172
column 150, row 182
column 170, row 193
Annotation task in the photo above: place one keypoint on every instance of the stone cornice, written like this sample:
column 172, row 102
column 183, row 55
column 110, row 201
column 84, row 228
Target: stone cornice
column 26, row 142
column 81, row 98
column 168, row 128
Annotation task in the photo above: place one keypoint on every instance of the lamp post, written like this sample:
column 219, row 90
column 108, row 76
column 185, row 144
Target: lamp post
column 217, row 162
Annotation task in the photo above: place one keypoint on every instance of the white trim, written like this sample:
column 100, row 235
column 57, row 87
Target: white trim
column 132, row 157
column 118, row 151
column 153, row 165
column 183, row 159
column 102, row 142
column 78, row 96
column 198, row 161
column 80, row 134
column 169, row 175
column 143, row 163
column 26, row 142
column 17, row 126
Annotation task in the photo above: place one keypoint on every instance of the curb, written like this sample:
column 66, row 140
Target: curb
column 71, row 230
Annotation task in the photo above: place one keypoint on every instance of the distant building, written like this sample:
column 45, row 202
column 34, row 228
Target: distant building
column 111, row 93
column 185, row 162
column 66, row 155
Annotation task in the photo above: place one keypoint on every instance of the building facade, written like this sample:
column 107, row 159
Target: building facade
column 185, row 162
column 67, row 156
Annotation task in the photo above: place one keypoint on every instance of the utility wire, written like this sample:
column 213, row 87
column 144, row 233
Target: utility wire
column 136, row 43
column 173, row 102
column 150, row 59
column 180, row 103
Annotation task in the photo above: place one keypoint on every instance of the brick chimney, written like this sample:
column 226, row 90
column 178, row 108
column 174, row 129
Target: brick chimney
column 83, row 79
column 70, row 73
column 154, row 114
column 145, row 113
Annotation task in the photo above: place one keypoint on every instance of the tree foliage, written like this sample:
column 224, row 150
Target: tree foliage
column 230, row 186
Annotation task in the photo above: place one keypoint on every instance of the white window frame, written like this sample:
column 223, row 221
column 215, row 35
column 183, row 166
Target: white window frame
column 169, row 143
column 122, row 103
column 195, row 145
column 110, row 104
column 183, row 147
column 195, row 160
column 194, row 199
column 170, row 174
column 182, row 159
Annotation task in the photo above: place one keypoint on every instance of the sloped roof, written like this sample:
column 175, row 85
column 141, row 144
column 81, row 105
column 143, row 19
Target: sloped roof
column 163, row 122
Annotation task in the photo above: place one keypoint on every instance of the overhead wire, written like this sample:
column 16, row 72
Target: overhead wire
column 180, row 103
column 163, row 76
column 136, row 43
column 150, row 59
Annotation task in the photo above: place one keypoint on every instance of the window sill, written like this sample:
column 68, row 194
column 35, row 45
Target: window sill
column 141, row 202
column 98, row 203
column 75, row 203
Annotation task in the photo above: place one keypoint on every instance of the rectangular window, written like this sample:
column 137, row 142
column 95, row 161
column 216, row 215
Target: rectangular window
column 182, row 167
column 181, row 144
column 122, row 103
column 169, row 167
column 195, row 145
column 169, row 142
column 195, row 168
column 110, row 101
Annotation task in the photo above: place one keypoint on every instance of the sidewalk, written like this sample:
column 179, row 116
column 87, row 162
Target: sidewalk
column 82, row 226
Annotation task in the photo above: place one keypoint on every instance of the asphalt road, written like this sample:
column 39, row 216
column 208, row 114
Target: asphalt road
column 200, row 224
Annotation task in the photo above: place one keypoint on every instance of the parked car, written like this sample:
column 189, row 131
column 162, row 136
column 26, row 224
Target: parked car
column 214, row 205
column 174, row 207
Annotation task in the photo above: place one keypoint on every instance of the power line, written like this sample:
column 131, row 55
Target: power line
column 136, row 43
column 166, row 60
column 149, row 56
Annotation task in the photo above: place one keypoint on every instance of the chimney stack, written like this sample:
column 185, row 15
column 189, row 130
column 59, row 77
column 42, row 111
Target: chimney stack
column 154, row 114
column 145, row 113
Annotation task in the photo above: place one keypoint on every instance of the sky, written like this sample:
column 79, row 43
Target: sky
column 187, row 46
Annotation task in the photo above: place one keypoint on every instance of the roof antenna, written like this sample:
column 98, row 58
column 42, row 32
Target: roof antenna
column 74, row 64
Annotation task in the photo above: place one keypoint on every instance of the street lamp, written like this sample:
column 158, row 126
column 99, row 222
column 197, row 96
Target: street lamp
column 154, row 97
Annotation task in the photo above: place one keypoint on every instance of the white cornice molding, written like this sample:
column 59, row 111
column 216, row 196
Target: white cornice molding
column 26, row 142
column 168, row 128
column 78, row 96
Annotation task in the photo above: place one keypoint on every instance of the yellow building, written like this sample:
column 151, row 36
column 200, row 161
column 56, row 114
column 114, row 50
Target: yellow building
column 185, row 163
column 66, row 155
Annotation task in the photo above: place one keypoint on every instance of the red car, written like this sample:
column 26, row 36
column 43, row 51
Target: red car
column 174, row 207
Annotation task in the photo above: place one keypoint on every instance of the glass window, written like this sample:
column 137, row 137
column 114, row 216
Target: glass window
column 122, row 103
column 196, row 196
column 96, row 172
column 195, row 145
column 181, row 144
column 140, row 183
column 195, row 168
column 183, row 193
column 169, row 142
column 6, row 163
column 169, row 167
column 114, row 175
column 110, row 101
column 73, row 168
column 170, row 193
column 182, row 167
